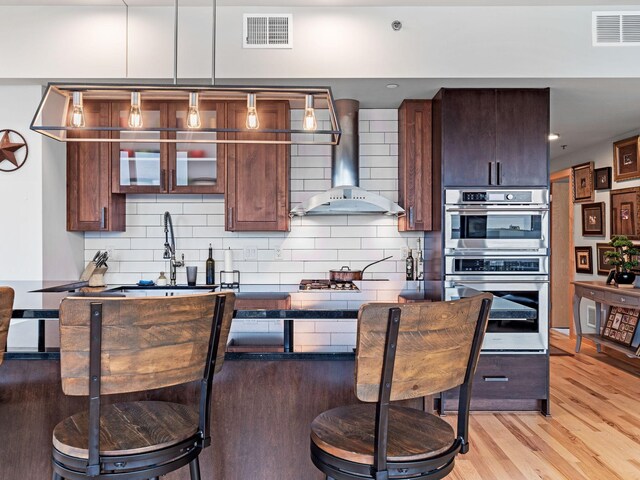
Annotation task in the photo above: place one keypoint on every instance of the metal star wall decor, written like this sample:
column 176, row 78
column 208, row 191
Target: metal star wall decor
column 9, row 161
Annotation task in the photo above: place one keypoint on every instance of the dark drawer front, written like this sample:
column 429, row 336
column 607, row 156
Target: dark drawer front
column 509, row 377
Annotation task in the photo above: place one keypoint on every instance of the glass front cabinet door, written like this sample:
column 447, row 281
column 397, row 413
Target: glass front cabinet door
column 160, row 167
column 196, row 167
column 139, row 167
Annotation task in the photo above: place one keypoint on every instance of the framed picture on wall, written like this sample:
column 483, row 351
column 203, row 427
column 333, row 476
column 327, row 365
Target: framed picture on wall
column 582, row 178
column 603, row 178
column 604, row 267
column 584, row 263
column 625, row 159
column 593, row 218
column 624, row 212
column 621, row 325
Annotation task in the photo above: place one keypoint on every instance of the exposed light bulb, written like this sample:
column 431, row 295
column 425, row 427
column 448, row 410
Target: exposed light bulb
column 309, row 121
column 193, row 115
column 77, row 114
column 135, row 114
column 252, row 115
column 553, row 136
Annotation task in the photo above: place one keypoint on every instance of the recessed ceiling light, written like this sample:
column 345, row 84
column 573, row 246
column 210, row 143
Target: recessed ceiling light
column 554, row 136
column 392, row 85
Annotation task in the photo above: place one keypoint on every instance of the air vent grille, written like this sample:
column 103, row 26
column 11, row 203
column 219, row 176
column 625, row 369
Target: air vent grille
column 268, row 31
column 616, row 28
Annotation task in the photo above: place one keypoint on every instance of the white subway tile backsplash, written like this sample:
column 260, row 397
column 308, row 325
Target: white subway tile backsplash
column 374, row 149
column 378, row 114
column 312, row 247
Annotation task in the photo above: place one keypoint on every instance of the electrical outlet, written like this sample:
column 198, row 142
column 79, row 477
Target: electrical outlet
column 405, row 252
column 110, row 251
column 277, row 253
column 251, row 253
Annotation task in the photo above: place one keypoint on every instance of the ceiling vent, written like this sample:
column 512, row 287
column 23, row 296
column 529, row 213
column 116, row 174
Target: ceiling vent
column 268, row 31
column 616, row 28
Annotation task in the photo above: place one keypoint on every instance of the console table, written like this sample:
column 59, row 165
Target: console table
column 607, row 295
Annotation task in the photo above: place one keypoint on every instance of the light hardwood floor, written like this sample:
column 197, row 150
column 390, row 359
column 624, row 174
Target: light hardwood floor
column 593, row 432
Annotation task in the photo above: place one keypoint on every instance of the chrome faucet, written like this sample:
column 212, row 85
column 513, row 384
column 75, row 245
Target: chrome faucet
column 170, row 249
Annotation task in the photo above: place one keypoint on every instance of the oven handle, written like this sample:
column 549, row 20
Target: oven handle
column 502, row 208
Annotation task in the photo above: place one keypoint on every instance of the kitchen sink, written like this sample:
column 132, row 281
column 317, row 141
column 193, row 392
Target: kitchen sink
column 161, row 291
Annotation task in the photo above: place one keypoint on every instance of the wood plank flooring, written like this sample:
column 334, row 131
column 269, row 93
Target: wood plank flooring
column 593, row 432
column 262, row 412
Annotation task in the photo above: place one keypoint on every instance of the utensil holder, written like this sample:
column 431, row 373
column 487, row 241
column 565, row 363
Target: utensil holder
column 97, row 277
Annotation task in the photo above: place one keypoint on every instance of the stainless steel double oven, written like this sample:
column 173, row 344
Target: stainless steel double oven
column 497, row 241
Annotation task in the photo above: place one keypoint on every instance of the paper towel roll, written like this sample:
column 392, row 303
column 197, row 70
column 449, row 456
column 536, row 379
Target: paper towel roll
column 228, row 266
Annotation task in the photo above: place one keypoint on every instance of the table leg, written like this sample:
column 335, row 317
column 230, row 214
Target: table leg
column 598, row 323
column 576, row 320
column 288, row 335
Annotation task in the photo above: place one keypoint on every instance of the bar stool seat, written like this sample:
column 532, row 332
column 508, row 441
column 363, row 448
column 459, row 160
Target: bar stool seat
column 348, row 432
column 128, row 428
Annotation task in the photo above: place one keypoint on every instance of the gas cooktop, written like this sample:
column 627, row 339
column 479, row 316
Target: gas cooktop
column 306, row 285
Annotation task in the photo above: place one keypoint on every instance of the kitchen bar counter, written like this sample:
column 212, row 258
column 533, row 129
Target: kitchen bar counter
column 32, row 307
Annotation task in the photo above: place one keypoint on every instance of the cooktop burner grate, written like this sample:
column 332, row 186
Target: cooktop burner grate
column 324, row 284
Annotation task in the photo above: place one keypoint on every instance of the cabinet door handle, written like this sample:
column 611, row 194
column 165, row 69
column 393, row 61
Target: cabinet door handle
column 495, row 378
column 411, row 219
column 172, row 180
column 490, row 173
column 230, row 216
column 163, row 185
column 103, row 218
column 498, row 173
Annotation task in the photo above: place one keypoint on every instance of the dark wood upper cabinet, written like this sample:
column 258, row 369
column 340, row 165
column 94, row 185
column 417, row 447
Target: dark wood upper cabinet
column 492, row 137
column 257, row 192
column 90, row 204
column 415, row 168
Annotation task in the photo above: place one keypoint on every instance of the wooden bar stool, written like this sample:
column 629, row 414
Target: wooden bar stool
column 6, row 308
column 403, row 351
column 118, row 345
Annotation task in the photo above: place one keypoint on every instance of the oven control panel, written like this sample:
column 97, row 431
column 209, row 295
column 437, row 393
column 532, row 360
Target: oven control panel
column 497, row 196
column 530, row 265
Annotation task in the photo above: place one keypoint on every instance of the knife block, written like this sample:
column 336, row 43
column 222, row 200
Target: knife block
column 94, row 275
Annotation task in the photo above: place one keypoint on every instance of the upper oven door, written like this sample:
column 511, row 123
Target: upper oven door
column 472, row 229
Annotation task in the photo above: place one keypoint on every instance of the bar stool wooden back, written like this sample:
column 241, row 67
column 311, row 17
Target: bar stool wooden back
column 6, row 307
column 403, row 351
column 118, row 345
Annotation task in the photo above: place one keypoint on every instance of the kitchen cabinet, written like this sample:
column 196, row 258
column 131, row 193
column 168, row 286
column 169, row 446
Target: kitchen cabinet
column 416, row 174
column 91, row 205
column 160, row 167
column 492, row 137
column 506, row 382
column 257, row 191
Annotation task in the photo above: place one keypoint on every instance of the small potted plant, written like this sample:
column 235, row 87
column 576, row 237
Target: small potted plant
column 623, row 258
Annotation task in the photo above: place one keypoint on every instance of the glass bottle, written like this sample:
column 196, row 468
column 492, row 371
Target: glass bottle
column 409, row 266
column 210, row 268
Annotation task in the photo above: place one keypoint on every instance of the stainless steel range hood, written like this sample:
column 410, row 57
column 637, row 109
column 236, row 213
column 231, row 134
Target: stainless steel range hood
column 345, row 196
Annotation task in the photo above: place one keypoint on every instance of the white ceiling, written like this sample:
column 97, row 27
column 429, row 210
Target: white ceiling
column 584, row 111
column 324, row 3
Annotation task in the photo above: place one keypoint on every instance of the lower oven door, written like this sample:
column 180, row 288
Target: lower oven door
column 519, row 317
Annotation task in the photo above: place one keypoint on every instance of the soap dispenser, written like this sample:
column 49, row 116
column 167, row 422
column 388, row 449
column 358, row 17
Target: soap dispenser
column 162, row 280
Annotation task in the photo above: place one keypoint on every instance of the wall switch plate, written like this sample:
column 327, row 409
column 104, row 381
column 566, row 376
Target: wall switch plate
column 405, row 252
column 277, row 253
column 251, row 253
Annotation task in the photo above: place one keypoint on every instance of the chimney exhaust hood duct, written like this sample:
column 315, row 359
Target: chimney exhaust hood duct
column 345, row 196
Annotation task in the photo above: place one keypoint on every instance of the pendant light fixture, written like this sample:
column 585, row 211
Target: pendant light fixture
column 77, row 113
column 135, row 113
column 309, row 121
column 61, row 110
column 252, row 114
column 193, row 114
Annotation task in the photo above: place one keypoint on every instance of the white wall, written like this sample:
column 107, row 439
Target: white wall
column 329, row 42
column 21, row 191
column 602, row 156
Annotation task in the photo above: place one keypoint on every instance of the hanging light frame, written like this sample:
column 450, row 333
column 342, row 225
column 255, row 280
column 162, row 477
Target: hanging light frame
column 53, row 113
